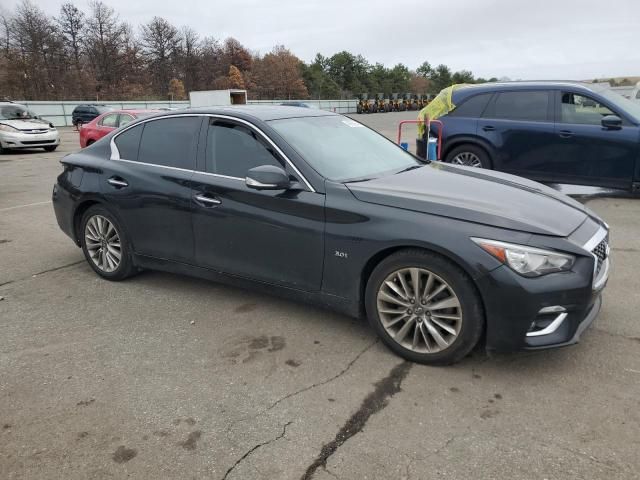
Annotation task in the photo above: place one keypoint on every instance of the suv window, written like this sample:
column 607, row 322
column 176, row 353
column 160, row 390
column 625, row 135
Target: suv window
column 581, row 110
column 524, row 105
column 472, row 107
column 171, row 142
column 128, row 142
column 234, row 149
column 110, row 120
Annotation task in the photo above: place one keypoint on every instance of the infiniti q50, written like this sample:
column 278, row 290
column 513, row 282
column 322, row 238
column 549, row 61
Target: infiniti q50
column 315, row 206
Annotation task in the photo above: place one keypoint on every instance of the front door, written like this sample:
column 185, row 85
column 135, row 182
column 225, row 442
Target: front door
column 271, row 236
column 150, row 185
column 603, row 157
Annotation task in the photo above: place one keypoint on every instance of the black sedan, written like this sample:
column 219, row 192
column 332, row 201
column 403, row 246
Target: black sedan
column 313, row 205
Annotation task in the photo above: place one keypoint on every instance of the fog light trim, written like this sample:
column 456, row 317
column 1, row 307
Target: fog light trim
column 554, row 325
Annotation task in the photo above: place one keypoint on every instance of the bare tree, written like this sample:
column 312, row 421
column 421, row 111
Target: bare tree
column 160, row 41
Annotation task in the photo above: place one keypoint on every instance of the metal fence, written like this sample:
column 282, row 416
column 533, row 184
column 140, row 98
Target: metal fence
column 59, row 113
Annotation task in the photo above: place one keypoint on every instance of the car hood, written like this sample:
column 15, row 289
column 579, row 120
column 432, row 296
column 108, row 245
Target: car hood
column 475, row 195
column 31, row 124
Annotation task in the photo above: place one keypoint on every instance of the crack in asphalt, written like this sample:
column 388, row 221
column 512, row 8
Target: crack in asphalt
column 335, row 377
column 307, row 388
column 377, row 400
column 618, row 335
column 256, row 447
column 54, row 269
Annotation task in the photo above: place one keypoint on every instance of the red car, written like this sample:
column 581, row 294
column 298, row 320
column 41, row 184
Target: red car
column 107, row 122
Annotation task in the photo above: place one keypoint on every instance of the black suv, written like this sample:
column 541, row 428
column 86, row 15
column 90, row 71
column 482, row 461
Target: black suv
column 557, row 132
column 85, row 113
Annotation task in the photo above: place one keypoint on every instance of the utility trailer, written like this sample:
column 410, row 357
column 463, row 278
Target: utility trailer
column 215, row 98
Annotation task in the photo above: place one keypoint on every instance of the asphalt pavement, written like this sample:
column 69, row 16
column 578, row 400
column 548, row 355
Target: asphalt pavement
column 170, row 377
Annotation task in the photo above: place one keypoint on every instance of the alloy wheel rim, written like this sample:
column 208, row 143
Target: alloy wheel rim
column 419, row 310
column 468, row 159
column 103, row 243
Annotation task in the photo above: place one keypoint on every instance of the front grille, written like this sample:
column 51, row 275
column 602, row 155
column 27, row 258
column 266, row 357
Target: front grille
column 36, row 142
column 39, row 130
column 600, row 251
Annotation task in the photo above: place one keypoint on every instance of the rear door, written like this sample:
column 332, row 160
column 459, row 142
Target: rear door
column 600, row 156
column 274, row 236
column 519, row 125
column 149, row 185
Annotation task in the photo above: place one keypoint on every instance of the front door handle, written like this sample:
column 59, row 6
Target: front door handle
column 117, row 182
column 488, row 128
column 206, row 201
column 565, row 134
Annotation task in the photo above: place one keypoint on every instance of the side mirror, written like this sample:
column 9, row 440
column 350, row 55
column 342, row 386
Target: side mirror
column 611, row 122
column 267, row 177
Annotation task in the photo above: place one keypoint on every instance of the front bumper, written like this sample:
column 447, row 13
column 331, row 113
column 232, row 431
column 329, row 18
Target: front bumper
column 29, row 140
column 544, row 312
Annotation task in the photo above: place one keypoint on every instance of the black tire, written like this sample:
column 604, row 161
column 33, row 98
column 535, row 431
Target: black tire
column 472, row 323
column 126, row 268
column 50, row 148
column 3, row 150
column 358, row 109
column 90, row 142
column 470, row 150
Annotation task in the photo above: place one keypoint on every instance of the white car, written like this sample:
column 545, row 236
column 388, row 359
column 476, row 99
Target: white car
column 19, row 128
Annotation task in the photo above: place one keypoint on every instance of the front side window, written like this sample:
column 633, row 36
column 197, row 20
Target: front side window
column 170, row 142
column 128, row 142
column 110, row 120
column 581, row 110
column 234, row 149
column 522, row 105
column 125, row 119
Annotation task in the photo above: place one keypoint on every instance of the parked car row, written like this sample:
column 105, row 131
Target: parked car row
column 555, row 132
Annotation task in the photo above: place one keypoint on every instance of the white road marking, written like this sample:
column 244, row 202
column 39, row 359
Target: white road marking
column 27, row 205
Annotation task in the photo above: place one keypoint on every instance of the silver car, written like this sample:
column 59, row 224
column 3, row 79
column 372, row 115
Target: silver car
column 20, row 128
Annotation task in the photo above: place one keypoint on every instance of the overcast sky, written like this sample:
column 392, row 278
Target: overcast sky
column 521, row 39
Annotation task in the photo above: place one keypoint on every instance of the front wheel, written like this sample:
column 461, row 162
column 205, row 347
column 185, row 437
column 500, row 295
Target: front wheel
column 50, row 148
column 105, row 245
column 424, row 308
column 470, row 156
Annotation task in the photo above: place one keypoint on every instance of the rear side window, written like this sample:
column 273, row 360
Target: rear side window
column 532, row 106
column 472, row 107
column 128, row 143
column 170, row 142
column 234, row 149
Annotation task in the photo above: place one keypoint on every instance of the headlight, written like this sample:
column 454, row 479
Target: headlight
column 527, row 261
column 8, row 128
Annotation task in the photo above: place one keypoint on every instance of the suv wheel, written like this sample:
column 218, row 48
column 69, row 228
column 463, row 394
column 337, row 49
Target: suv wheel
column 425, row 308
column 470, row 156
column 105, row 244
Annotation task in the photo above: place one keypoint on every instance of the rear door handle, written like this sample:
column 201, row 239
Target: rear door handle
column 566, row 133
column 118, row 182
column 205, row 200
column 488, row 128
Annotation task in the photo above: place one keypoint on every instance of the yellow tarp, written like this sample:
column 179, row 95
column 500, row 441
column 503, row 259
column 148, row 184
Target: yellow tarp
column 439, row 106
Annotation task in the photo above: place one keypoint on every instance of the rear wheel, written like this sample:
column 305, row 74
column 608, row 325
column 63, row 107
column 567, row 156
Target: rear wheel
column 105, row 244
column 425, row 308
column 469, row 155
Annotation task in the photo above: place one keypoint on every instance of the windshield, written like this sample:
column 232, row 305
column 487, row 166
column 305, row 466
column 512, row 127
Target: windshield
column 624, row 104
column 342, row 149
column 14, row 112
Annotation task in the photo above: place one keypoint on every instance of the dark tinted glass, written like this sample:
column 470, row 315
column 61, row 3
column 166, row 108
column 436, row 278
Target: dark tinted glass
column 472, row 107
column 171, row 142
column 522, row 106
column 128, row 143
column 234, row 149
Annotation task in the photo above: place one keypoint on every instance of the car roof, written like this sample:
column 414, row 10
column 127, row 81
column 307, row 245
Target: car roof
column 466, row 90
column 259, row 112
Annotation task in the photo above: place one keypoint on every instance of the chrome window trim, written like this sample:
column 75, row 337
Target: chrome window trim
column 115, row 153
